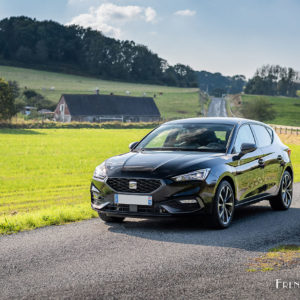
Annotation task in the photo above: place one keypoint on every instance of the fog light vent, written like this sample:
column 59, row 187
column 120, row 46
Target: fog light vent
column 188, row 201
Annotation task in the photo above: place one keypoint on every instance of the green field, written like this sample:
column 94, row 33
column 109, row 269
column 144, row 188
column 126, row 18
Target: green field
column 287, row 109
column 45, row 173
column 172, row 102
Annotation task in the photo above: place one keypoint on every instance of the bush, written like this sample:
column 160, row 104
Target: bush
column 259, row 109
column 35, row 124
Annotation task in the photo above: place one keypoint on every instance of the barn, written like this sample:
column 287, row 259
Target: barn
column 104, row 108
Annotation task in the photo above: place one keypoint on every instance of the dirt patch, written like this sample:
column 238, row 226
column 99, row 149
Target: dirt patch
column 290, row 138
column 235, row 102
column 282, row 257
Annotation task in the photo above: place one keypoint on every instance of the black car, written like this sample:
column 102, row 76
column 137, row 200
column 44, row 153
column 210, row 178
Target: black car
column 195, row 166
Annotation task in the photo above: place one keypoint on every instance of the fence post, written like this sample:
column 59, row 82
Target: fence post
column 280, row 130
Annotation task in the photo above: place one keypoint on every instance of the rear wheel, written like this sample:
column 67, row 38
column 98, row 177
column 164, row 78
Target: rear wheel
column 223, row 206
column 284, row 198
column 109, row 219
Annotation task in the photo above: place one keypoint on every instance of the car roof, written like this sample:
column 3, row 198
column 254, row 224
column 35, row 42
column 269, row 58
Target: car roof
column 214, row 120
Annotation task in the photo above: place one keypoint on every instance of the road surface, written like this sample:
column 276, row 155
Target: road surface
column 151, row 259
column 217, row 108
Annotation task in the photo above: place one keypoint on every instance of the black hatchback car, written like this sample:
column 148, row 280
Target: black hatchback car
column 195, row 166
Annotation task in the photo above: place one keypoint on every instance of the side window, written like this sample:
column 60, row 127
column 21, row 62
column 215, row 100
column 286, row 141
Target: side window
column 263, row 136
column 244, row 136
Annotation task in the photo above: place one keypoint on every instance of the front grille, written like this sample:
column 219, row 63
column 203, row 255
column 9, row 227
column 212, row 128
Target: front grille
column 144, row 186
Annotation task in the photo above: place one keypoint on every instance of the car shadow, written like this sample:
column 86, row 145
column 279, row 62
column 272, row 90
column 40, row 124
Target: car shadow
column 254, row 228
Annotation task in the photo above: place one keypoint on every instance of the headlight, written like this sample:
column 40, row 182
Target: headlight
column 195, row 175
column 100, row 172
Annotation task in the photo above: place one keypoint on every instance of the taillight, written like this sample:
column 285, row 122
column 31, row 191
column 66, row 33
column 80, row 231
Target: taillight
column 289, row 151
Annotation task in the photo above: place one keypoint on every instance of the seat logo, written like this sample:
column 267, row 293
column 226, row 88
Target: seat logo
column 133, row 185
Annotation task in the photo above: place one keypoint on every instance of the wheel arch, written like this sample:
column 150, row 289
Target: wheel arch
column 228, row 177
column 290, row 170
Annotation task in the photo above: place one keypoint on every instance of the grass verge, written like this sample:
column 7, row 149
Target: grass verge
column 284, row 256
column 45, row 217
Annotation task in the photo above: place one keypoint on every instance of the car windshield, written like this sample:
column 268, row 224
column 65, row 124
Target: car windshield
column 188, row 137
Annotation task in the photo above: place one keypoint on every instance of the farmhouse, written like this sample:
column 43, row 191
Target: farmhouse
column 103, row 108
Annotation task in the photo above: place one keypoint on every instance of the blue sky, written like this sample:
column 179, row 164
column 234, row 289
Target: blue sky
column 227, row 36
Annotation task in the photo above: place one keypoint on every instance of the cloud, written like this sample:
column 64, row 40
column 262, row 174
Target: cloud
column 150, row 14
column 185, row 13
column 109, row 17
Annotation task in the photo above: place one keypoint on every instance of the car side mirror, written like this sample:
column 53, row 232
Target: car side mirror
column 248, row 147
column 132, row 145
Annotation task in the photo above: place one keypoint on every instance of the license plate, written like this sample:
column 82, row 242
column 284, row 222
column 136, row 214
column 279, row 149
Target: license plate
column 133, row 199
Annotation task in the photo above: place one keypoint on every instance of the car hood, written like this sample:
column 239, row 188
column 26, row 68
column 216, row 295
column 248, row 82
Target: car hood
column 165, row 163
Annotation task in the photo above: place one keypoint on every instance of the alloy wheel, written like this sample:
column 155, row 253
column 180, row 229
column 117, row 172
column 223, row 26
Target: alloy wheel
column 287, row 189
column 225, row 204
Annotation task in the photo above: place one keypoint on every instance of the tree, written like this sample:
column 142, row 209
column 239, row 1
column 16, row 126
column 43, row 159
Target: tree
column 33, row 98
column 7, row 107
column 273, row 80
column 14, row 88
column 212, row 82
column 259, row 109
column 24, row 54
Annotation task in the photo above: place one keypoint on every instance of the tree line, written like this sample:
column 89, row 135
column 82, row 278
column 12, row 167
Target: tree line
column 274, row 80
column 217, row 84
column 74, row 49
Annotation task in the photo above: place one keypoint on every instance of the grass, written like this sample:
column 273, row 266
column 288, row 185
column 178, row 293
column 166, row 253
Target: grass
column 276, row 258
column 45, row 173
column 287, row 109
column 173, row 102
column 293, row 142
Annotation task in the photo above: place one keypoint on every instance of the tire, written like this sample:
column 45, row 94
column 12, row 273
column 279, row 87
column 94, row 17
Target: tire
column 285, row 196
column 223, row 206
column 108, row 219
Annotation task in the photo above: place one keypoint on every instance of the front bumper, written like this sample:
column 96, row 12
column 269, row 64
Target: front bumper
column 165, row 199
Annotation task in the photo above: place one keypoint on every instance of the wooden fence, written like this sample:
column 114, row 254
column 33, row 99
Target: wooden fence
column 286, row 129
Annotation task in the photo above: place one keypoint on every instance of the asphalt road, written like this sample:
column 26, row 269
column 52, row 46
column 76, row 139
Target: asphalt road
column 151, row 259
column 217, row 108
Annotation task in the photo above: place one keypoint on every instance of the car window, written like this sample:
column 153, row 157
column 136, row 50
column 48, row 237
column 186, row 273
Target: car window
column 263, row 136
column 190, row 136
column 244, row 136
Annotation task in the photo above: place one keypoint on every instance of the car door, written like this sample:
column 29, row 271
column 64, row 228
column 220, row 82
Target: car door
column 249, row 173
column 271, row 159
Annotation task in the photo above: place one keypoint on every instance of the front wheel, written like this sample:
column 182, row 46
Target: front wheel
column 284, row 198
column 223, row 206
column 109, row 219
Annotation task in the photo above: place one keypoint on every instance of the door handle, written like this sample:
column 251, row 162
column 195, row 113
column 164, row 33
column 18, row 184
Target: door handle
column 261, row 162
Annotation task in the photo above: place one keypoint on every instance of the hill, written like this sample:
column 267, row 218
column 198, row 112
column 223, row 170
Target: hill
column 173, row 102
column 51, row 46
column 287, row 109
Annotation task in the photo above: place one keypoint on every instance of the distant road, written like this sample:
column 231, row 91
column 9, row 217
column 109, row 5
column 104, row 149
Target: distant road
column 217, row 108
column 151, row 259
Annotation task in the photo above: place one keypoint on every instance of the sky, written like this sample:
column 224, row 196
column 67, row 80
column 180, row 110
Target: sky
column 226, row 36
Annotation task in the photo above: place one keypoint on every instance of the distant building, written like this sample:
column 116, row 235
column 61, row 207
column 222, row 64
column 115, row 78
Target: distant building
column 104, row 108
column 28, row 109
